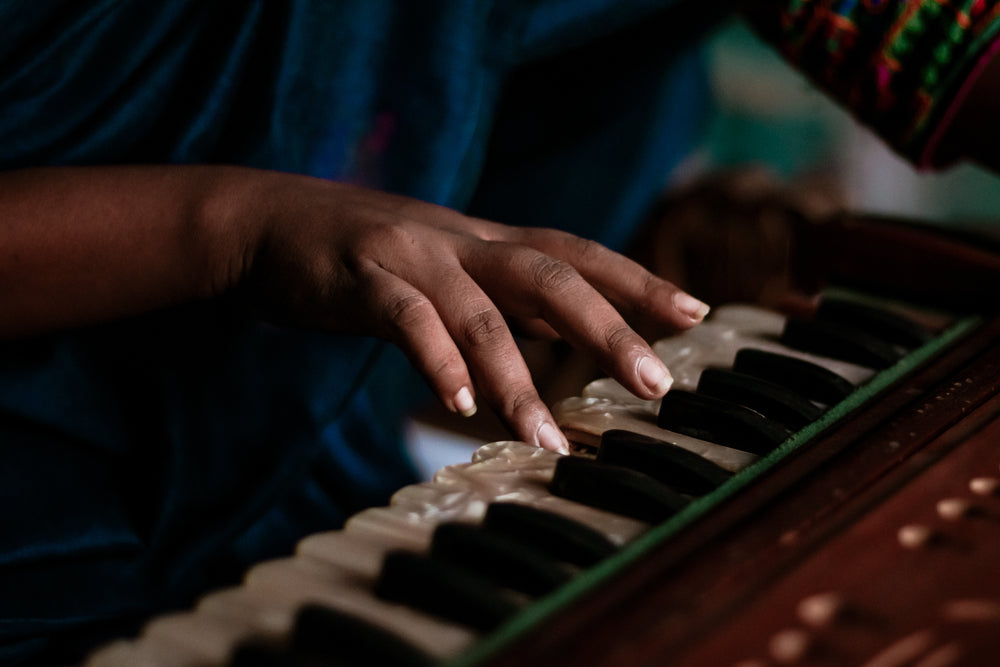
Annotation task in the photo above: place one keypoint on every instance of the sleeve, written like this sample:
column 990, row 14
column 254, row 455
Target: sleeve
column 901, row 67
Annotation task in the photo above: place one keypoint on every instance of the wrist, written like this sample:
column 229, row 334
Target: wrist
column 232, row 224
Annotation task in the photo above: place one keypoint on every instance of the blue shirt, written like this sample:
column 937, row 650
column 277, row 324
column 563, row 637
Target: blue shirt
column 143, row 461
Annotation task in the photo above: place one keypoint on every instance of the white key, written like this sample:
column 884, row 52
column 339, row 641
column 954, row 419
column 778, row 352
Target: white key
column 353, row 552
column 146, row 653
column 208, row 639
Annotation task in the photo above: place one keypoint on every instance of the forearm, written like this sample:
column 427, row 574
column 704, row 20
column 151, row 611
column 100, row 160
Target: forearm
column 81, row 245
column 903, row 68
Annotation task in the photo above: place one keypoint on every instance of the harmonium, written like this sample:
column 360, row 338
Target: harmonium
column 817, row 489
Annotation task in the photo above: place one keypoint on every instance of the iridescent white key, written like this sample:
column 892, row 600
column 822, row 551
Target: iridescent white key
column 208, row 639
column 354, row 552
column 500, row 472
column 295, row 582
column 266, row 617
column 716, row 342
column 477, row 493
column 503, row 470
column 587, row 418
column 147, row 653
column 379, row 523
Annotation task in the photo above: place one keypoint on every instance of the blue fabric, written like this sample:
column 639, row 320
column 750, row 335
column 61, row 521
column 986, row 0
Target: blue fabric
column 146, row 460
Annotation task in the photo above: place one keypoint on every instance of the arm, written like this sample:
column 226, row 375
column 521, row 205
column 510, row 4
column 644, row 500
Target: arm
column 919, row 73
column 83, row 245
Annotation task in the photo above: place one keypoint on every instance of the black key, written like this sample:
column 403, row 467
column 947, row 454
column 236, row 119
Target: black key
column 443, row 589
column 809, row 380
column 342, row 639
column 678, row 468
column 771, row 400
column 839, row 342
column 505, row 562
column 615, row 489
column 719, row 421
column 881, row 323
column 558, row 536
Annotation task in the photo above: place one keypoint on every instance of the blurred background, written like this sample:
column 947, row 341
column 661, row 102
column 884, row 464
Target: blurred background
column 768, row 114
column 771, row 131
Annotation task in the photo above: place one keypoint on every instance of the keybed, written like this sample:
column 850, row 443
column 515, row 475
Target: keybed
column 361, row 571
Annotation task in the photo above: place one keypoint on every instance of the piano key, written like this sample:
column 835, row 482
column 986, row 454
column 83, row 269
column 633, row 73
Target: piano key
column 415, row 511
column 516, row 472
column 510, row 466
column 772, row 400
column 877, row 321
column 720, row 421
column 357, row 553
column 840, row 342
column 615, row 489
column 617, row 528
column 809, row 380
column 584, row 420
column 505, row 562
column 342, row 639
column 748, row 319
column 282, row 587
column 266, row 616
column 556, row 535
column 123, row 653
column 681, row 470
column 378, row 523
column 444, row 589
column 715, row 343
column 208, row 639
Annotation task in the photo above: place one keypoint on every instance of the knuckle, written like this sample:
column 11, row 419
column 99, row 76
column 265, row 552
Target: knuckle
column 619, row 337
column 586, row 249
column 386, row 237
column 551, row 274
column 656, row 293
column 521, row 400
column 408, row 311
column 484, row 328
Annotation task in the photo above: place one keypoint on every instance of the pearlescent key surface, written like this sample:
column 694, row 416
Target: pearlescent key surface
column 142, row 654
column 209, row 639
column 354, row 552
column 499, row 472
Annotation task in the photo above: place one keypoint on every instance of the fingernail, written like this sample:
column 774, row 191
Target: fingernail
column 690, row 306
column 464, row 402
column 654, row 375
column 549, row 437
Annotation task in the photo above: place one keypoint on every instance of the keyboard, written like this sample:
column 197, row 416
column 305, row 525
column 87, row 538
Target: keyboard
column 776, row 507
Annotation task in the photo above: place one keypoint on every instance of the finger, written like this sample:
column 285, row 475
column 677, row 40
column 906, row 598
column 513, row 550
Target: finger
column 623, row 281
column 407, row 317
column 527, row 283
column 487, row 345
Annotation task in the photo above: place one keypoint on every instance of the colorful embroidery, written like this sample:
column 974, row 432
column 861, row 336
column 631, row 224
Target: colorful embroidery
column 896, row 64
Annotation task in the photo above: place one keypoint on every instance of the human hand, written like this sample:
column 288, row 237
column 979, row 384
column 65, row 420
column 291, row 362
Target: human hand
column 446, row 288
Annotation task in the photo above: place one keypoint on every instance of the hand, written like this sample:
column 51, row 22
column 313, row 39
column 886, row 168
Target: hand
column 443, row 286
